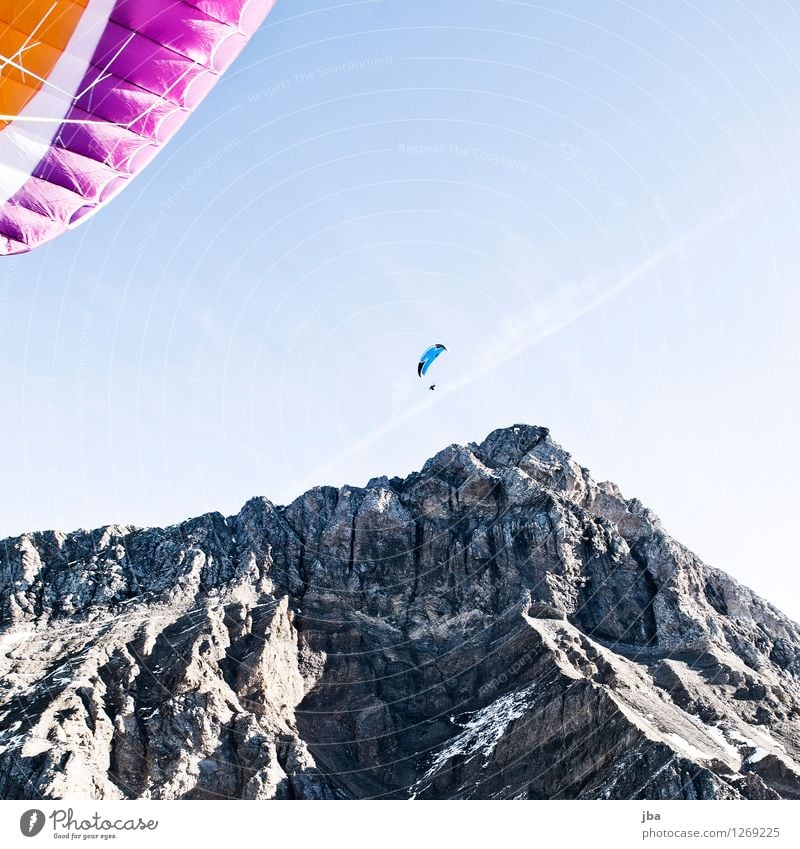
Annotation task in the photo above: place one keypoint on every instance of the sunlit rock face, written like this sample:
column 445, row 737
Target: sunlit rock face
column 497, row 625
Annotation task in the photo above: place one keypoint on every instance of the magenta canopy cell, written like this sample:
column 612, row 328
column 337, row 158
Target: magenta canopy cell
column 91, row 90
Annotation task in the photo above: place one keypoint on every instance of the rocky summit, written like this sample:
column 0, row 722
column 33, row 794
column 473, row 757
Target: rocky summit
column 495, row 626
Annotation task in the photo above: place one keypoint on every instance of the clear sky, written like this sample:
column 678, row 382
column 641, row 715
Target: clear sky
column 594, row 206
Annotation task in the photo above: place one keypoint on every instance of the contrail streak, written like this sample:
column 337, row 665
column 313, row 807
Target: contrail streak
column 579, row 301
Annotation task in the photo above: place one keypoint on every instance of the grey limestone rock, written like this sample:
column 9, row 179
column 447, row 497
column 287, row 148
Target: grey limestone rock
column 497, row 625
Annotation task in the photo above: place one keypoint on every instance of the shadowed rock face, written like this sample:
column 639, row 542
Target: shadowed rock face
column 498, row 625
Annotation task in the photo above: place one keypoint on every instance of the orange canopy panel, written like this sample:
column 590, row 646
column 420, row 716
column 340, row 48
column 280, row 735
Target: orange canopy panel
column 33, row 36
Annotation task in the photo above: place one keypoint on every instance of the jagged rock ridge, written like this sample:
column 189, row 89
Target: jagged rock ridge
column 497, row 625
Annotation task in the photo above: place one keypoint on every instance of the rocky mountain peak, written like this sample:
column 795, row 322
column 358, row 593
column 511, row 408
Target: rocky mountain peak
column 495, row 625
column 509, row 445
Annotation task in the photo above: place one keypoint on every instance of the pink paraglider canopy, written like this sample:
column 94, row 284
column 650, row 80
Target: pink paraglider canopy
column 91, row 90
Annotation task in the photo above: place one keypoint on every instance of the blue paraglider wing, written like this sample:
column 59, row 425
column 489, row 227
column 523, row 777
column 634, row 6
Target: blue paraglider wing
column 426, row 360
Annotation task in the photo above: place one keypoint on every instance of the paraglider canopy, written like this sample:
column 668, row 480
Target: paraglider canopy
column 426, row 360
column 91, row 90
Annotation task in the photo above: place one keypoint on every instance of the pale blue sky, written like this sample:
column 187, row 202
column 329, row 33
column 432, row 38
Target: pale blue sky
column 592, row 206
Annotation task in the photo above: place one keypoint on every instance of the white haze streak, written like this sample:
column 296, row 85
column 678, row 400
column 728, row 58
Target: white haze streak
column 570, row 303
